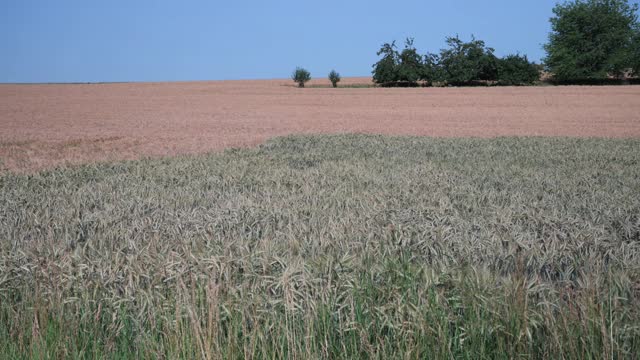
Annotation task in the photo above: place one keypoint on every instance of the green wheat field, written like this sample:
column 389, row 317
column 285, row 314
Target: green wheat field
column 329, row 247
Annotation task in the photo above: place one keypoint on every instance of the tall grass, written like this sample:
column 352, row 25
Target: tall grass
column 329, row 247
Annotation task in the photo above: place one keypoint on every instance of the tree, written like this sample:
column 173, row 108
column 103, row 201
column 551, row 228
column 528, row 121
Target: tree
column 431, row 69
column 410, row 65
column 334, row 77
column 301, row 76
column 487, row 62
column 517, row 70
column 463, row 63
column 635, row 52
column 591, row 39
column 385, row 71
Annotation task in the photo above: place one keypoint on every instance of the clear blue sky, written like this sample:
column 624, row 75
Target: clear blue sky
column 156, row 40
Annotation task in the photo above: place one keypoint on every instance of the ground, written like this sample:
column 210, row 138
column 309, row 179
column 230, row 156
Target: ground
column 52, row 124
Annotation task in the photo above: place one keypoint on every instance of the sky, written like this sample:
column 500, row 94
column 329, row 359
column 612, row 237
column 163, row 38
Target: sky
column 169, row 40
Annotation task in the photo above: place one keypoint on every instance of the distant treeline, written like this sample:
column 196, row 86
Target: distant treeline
column 462, row 63
column 592, row 42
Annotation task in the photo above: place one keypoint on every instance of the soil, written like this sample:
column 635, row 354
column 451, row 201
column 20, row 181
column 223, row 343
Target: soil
column 46, row 125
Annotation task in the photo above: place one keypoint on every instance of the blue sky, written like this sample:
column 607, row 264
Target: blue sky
column 158, row 40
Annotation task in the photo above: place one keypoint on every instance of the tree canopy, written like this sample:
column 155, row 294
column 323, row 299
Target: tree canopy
column 517, row 70
column 461, row 63
column 410, row 64
column 301, row 76
column 464, row 62
column 334, row 77
column 592, row 39
column 385, row 71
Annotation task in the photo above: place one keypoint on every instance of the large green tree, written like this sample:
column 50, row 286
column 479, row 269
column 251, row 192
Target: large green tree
column 591, row 39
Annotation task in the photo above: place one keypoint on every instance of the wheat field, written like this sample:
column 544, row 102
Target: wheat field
column 332, row 246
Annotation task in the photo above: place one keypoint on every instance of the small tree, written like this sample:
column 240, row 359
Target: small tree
column 517, row 70
column 385, row 71
column 334, row 77
column 591, row 39
column 301, row 76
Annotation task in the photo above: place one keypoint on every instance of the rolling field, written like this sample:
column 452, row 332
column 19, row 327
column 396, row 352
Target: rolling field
column 47, row 125
column 181, row 229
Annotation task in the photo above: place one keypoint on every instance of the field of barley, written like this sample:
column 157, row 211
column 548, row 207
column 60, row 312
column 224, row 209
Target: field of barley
column 329, row 246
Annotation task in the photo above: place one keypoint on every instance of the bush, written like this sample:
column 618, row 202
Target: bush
column 301, row 76
column 334, row 77
column 517, row 70
column 591, row 39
